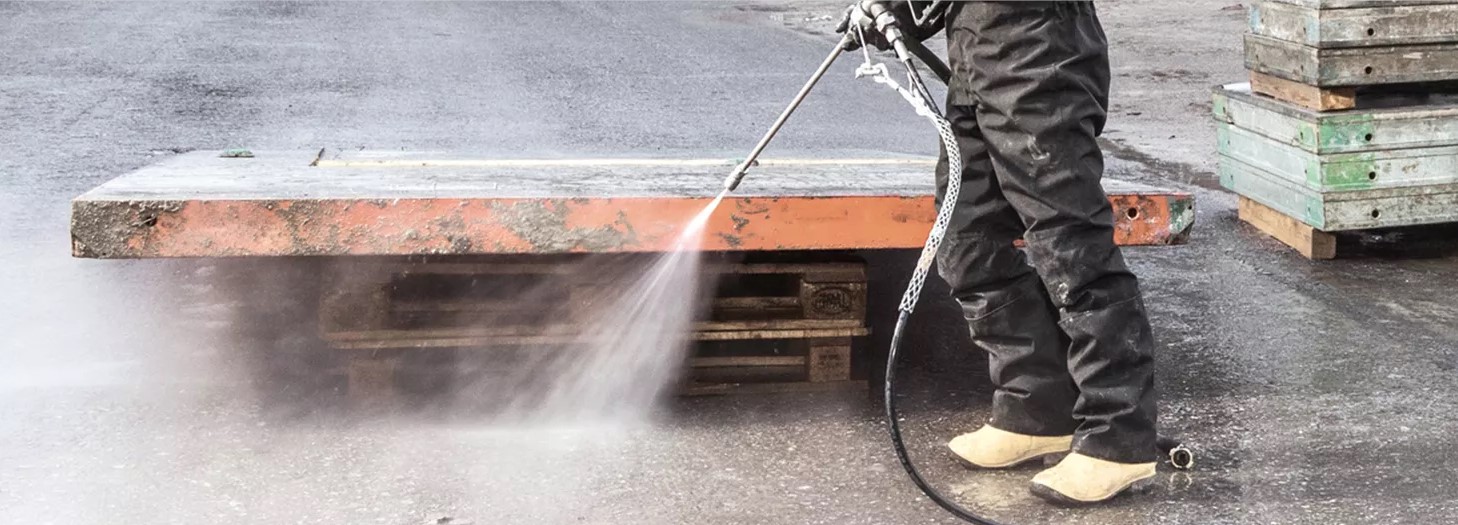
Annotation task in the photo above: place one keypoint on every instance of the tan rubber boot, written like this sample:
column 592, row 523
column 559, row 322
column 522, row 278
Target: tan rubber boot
column 1081, row 480
column 991, row 447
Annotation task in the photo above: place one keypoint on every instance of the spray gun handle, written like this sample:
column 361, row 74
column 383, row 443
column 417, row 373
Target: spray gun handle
column 890, row 27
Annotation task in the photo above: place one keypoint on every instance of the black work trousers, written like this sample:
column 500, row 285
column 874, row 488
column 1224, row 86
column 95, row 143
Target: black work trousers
column 1068, row 339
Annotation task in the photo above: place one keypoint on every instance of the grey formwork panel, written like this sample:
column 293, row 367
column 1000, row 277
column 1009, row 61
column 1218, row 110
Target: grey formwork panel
column 1431, row 124
column 1387, row 24
column 1342, row 211
column 1347, row 4
column 1356, row 66
column 1335, row 172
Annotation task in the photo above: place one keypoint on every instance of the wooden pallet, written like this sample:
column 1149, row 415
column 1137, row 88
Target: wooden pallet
column 1306, row 96
column 1310, row 242
column 1423, row 242
column 717, row 368
column 1341, row 98
column 398, row 303
column 371, row 378
column 803, row 312
column 793, row 365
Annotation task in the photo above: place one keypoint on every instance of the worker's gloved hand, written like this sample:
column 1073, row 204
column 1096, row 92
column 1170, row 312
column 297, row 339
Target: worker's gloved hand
column 868, row 19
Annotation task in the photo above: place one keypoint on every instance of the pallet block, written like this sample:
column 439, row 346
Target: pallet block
column 819, row 360
column 1312, row 243
column 1334, row 99
column 828, row 360
column 1310, row 97
column 371, row 378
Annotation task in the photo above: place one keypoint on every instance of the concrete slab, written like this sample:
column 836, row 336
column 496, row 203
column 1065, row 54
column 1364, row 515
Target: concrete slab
column 301, row 203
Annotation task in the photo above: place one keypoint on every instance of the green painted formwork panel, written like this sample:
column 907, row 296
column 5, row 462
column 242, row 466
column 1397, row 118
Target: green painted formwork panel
column 1281, row 195
column 1429, row 122
column 1351, row 66
column 1375, row 25
column 1354, row 210
column 1338, row 172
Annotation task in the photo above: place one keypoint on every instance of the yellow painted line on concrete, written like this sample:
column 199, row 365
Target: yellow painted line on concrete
column 595, row 163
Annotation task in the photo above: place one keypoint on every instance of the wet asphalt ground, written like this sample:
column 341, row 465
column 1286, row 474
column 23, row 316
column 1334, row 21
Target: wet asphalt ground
column 135, row 391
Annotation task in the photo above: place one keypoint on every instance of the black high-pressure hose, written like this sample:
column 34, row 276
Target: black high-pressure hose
column 911, row 297
column 894, row 424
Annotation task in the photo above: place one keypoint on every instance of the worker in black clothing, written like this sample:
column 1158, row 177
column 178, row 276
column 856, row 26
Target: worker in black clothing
column 1064, row 325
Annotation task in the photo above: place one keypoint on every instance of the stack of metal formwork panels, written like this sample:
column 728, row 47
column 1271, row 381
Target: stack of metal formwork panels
column 1347, row 123
column 1319, row 53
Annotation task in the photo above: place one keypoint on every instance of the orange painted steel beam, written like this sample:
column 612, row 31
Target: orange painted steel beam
column 276, row 204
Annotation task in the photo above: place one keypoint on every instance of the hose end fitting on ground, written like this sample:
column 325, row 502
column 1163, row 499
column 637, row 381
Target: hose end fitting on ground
column 1181, row 458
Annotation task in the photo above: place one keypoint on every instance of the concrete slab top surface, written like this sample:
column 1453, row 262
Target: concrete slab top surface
column 271, row 175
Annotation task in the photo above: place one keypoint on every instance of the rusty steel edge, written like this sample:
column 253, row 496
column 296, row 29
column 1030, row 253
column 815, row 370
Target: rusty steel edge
column 119, row 229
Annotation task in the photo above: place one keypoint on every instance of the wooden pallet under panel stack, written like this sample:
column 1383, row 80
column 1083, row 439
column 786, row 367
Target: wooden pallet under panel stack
column 1349, row 122
column 770, row 326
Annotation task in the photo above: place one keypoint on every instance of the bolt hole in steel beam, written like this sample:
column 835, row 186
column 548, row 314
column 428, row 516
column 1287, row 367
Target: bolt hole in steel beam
column 1371, row 175
column 1371, row 31
column 1376, row 213
column 1367, row 137
column 1132, row 213
column 1367, row 70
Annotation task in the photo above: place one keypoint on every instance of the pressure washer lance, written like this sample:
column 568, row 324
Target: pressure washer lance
column 735, row 177
column 920, row 99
